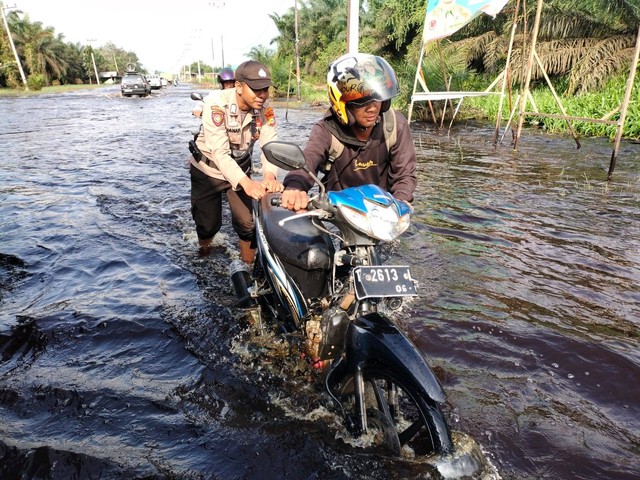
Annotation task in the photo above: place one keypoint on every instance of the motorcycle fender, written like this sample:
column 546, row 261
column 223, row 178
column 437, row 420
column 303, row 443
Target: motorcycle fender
column 373, row 338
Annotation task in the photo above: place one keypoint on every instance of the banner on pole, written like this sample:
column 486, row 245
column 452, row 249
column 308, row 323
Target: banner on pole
column 444, row 17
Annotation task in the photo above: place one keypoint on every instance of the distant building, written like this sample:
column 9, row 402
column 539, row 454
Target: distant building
column 110, row 77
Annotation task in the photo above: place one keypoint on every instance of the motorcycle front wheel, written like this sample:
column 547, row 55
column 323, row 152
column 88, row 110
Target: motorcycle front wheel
column 395, row 416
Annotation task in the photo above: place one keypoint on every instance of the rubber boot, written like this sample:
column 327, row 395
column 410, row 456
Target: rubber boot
column 205, row 247
column 247, row 254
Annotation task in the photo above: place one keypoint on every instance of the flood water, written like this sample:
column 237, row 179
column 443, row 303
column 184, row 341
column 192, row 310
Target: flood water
column 122, row 355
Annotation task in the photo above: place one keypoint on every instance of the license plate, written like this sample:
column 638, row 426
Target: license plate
column 383, row 281
column 128, row 90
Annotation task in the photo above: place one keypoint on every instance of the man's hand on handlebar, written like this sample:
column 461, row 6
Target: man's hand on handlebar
column 295, row 200
column 271, row 183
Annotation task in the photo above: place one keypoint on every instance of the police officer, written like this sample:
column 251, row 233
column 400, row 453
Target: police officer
column 233, row 120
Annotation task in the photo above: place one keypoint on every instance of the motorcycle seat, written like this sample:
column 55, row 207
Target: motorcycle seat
column 297, row 242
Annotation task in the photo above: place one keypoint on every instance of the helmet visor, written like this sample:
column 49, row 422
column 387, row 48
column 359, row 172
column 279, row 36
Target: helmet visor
column 364, row 78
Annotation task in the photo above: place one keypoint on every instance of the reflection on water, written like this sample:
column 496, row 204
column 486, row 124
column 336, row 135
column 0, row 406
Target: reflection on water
column 122, row 356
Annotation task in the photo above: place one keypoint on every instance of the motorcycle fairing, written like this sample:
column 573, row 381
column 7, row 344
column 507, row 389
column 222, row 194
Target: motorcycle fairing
column 354, row 197
column 373, row 338
column 286, row 291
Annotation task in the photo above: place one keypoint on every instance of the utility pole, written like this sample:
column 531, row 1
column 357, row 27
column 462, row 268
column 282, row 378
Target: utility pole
column 115, row 61
column 217, row 4
column 222, row 48
column 213, row 56
column 13, row 47
column 353, row 21
column 95, row 69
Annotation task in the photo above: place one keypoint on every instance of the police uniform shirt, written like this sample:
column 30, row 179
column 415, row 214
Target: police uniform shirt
column 227, row 128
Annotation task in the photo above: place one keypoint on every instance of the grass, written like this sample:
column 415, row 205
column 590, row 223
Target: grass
column 592, row 105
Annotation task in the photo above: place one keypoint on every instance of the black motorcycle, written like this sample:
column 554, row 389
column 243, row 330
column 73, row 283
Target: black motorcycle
column 318, row 277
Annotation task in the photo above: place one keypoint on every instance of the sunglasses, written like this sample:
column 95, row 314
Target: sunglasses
column 362, row 102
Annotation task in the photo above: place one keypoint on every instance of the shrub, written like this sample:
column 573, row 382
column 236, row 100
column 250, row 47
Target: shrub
column 36, row 81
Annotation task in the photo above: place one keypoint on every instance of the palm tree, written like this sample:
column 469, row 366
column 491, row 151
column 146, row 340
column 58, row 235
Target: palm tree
column 260, row 54
column 586, row 41
column 44, row 53
column 42, row 50
column 16, row 26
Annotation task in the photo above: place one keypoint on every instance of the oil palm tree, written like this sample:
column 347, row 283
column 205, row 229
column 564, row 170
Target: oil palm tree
column 586, row 41
column 44, row 53
column 41, row 49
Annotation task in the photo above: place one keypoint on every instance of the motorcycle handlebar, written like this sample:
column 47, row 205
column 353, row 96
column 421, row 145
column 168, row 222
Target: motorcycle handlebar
column 277, row 202
column 314, row 203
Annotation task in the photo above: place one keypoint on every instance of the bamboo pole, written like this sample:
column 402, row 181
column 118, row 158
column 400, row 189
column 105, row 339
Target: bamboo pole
column 532, row 50
column 625, row 104
column 506, row 68
column 557, row 99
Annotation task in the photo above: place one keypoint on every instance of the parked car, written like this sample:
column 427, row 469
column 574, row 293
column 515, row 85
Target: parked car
column 154, row 81
column 134, row 83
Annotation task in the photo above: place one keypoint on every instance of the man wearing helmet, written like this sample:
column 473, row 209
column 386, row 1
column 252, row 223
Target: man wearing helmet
column 233, row 120
column 226, row 79
column 350, row 144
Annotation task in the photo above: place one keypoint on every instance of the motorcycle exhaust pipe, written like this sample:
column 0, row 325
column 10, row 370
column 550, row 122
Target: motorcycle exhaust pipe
column 241, row 282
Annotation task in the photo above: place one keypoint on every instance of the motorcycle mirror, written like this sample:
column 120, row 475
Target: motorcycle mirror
column 285, row 155
column 197, row 96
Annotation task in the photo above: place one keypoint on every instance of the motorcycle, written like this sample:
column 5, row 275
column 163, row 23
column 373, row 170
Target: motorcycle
column 319, row 278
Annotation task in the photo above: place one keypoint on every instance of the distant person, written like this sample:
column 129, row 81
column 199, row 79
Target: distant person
column 233, row 120
column 360, row 140
column 226, row 79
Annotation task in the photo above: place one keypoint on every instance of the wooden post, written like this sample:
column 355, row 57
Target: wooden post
column 557, row 99
column 625, row 104
column 506, row 69
column 525, row 94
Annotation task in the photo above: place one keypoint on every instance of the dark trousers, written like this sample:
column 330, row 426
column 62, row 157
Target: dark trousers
column 206, row 207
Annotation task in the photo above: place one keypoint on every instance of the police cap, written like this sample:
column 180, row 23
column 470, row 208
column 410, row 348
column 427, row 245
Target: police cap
column 254, row 74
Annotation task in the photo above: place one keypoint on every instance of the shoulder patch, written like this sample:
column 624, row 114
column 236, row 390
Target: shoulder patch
column 271, row 116
column 217, row 116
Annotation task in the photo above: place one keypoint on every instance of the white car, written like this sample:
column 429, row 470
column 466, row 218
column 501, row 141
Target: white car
column 154, row 81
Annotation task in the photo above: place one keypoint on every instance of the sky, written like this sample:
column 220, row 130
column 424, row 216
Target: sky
column 164, row 35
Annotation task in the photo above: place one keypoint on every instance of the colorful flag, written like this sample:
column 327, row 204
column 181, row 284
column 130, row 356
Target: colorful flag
column 445, row 17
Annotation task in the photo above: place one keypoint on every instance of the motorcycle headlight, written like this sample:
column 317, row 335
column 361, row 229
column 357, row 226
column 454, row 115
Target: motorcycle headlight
column 378, row 221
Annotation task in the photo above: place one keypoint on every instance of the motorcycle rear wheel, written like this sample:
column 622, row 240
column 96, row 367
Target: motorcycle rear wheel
column 399, row 420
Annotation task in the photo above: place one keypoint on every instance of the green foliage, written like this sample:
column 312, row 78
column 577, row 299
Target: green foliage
column 590, row 105
column 37, row 81
column 43, row 52
column 584, row 45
